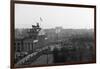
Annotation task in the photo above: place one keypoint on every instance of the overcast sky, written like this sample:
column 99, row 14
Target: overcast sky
column 52, row 16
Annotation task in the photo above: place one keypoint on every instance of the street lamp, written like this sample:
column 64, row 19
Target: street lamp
column 47, row 50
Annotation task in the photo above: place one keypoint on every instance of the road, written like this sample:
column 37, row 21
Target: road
column 43, row 59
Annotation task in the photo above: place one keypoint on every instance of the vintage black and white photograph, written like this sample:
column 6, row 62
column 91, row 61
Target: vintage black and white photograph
column 47, row 34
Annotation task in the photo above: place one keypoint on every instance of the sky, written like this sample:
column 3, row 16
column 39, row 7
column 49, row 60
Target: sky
column 53, row 16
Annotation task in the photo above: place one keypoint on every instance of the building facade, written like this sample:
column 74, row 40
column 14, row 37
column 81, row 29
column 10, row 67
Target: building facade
column 31, row 42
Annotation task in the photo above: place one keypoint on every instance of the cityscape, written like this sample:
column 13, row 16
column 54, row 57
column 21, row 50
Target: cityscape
column 51, row 35
column 37, row 46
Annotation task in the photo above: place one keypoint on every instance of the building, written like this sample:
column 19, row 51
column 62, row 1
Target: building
column 28, row 44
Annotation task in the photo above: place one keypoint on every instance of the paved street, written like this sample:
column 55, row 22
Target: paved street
column 44, row 59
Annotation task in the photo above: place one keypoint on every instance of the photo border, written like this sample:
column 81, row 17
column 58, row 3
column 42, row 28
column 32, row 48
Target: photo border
column 12, row 21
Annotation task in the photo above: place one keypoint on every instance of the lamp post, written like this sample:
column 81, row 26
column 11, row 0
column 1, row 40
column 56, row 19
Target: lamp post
column 47, row 50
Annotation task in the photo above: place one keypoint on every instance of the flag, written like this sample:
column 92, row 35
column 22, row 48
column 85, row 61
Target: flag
column 41, row 19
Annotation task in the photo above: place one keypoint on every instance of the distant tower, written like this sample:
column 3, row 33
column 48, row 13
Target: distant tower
column 58, row 29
